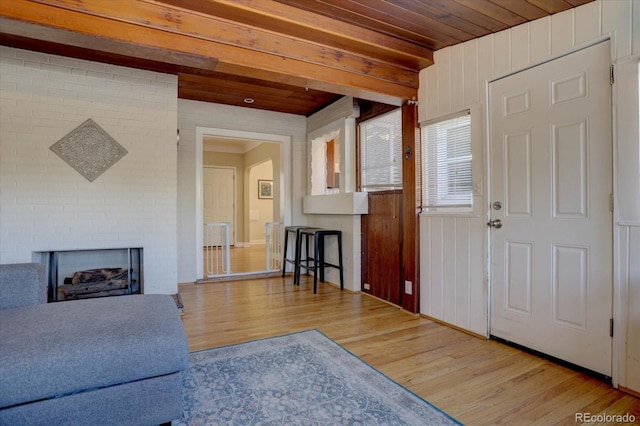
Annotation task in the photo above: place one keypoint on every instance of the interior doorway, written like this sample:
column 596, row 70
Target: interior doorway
column 260, row 161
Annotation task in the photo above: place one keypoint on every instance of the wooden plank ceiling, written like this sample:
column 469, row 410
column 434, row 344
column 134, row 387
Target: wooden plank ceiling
column 293, row 56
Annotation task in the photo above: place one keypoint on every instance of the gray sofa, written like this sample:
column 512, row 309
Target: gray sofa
column 113, row 360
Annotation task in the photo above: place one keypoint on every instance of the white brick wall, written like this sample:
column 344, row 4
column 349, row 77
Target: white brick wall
column 45, row 204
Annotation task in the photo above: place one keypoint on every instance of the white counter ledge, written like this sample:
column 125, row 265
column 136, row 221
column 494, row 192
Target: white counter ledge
column 350, row 203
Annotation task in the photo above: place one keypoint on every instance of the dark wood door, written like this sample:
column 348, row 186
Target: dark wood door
column 382, row 246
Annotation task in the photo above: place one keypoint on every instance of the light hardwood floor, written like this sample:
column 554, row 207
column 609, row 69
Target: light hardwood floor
column 479, row 382
column 244, row 259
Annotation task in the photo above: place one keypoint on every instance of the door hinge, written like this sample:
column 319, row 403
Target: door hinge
column 611, row 75
column 611, row 327
column 611, row 201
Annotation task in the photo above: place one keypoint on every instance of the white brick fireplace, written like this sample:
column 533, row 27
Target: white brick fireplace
column 46, row 205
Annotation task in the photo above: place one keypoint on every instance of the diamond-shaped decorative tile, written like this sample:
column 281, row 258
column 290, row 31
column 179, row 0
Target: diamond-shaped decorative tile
column 89, row 150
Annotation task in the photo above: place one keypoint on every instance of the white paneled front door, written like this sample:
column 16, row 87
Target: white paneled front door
column 551, row 179
column 218, row 198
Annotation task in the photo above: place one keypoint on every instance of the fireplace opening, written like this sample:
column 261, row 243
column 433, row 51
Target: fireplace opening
column 83, row 274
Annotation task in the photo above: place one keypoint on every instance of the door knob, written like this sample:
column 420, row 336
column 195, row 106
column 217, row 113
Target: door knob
column 495, row 223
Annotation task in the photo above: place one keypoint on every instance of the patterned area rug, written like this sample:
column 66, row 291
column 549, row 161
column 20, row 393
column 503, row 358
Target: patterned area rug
column 298, row 379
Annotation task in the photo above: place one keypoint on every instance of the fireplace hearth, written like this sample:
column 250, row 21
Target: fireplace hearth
column 83, row 274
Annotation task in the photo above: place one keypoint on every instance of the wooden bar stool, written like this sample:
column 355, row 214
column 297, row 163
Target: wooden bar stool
column 295, row 230
column 317, row 263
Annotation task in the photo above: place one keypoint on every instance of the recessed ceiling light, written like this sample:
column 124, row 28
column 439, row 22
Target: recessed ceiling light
column 248, row 100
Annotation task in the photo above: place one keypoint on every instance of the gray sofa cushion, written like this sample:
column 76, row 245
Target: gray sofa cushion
column 145, row 402
column 22, row 284
column 66, row 347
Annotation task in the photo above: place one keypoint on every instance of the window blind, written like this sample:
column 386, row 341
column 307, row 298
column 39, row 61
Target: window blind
column 381, row 152
column 447, row 173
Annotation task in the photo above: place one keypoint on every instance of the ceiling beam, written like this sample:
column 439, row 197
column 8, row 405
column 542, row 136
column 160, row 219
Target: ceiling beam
column 166, row 33
column 302, row 24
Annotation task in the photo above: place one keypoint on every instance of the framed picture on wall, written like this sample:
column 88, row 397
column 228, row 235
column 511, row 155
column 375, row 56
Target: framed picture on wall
column 265, row 188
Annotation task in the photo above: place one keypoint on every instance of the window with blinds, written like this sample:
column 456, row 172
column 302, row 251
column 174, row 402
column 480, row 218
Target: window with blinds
column 447, row 173
column 381, row 152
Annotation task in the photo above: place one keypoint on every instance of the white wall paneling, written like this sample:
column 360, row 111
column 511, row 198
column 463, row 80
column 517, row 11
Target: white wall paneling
column 631, row 377
column 451, row 253
column 627, row 214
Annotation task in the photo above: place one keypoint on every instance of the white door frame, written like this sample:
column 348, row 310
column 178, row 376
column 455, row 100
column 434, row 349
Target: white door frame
column 285, row 178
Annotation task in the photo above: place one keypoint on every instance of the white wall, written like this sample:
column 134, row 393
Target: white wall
column 457, row 81
column 267, row 157
column 260, row 209
column 194, row 114
column 45, row 205
column 349, row 225
column 627, row 214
